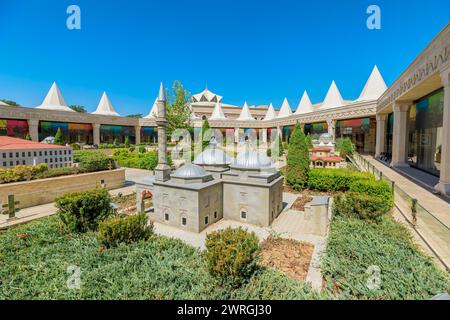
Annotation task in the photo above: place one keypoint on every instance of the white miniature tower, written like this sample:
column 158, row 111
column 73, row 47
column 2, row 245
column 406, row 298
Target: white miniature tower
column 162, row 170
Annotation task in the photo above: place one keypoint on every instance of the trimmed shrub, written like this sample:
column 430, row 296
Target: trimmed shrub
column 360, row 206
column 297, row 171
column 375, row 188
column 91, row 161
column 231, row 255
column 22, row 173
column 59, row 139
column 119, row 230
column 334, row 180
column 345, row 147
column 146, row 160
column 83, row 211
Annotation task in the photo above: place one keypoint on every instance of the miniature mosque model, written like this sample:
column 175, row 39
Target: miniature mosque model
column 215, row 186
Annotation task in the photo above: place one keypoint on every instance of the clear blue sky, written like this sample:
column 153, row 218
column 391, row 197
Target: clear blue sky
column 259, row 51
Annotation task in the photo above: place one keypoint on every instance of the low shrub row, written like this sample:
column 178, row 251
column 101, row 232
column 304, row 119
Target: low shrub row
column 361, row 206
column 140, row 160
column 22, row 173
column 92, row 161
column 335, row 180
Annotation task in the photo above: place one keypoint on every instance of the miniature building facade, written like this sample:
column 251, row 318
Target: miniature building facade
column 323, row 157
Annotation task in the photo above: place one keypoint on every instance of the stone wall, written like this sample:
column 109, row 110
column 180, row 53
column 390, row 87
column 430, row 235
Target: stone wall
column 36, row 192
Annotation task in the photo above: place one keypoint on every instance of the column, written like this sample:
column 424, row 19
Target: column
column 96, row 133
column 236, row 135
column 263, row 135
column 331, row 128
column 443, row 186
column 33, row 128
column 400, row 135
column 137, row 133
column 381, row 135
column 162, row 170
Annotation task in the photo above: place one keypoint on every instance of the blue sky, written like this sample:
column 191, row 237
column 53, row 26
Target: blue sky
column 259, row 51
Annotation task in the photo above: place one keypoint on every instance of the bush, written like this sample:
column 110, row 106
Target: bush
column 231, row 255
column 127, row 142
column 297, row 171
column 59, row 139
column 91, row 161
column 142, row 149
column 334, row 180
column 124, row 230
column 57, row 172
column 83, row 211
column 360, row 206
column 146, row 160
column 345, row 147
column 376, row 188
column 75, row 146
column 22, row 173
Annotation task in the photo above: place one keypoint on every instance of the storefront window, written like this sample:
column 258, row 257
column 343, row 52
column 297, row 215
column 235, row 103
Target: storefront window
column 14, row 128
column 425, row 133
column 110, row 133
column 361, row 131
column 72, row 132
column 315, row 129
column 149, row 135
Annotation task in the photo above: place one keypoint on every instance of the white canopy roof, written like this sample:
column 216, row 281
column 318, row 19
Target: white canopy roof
column 285, row 110
column 217, row 113
column 245, row 114
column 105, row 107
column 54, row 100
column 270, row 114
column 153, row 112
column 333, row 97
column 206, row 96
column 3, row 104
column 305, row 105
column 375, row 86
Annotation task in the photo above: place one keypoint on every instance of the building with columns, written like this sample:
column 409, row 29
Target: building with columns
column 405, row 125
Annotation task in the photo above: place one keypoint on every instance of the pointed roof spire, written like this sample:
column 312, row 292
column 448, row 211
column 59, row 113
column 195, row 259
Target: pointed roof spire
column 54, row 100
column 245, row 113
column 161, row 95
column 285, row 110
column 375, row 86
column 333, row 97
column 305, row 104
column 217, row 113
column 105, row 107
column 270, row 114
column 153, row 111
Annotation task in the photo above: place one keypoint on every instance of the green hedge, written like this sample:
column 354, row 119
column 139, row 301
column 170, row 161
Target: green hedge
column 355, row 247
column 119, row 230
column 22, row 173
column 231, row 255
column 334, row 180
column 376, row 188
column 361, row 206
column 139, row 160
column 92, row 161
column 83, row 211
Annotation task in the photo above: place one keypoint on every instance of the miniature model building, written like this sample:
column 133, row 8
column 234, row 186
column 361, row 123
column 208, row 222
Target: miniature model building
column 323, row 157
column 215, row 186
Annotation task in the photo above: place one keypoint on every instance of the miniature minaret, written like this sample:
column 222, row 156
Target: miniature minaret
column 162, row 170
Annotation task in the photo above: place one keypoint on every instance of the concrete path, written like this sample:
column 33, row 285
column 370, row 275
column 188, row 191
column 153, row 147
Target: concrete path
column 433, row 213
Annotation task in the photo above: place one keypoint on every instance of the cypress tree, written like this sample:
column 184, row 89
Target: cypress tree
column 59, row 139
column 297, row 171
column 206, row 134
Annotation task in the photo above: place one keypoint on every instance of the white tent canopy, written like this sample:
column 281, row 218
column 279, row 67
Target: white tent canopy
column 217, row 113
column 285, row 110
column 270, row 114
column 206, row 96
column 105, row 107
column 245, row 114
column 54, row 100
column 305, row 105
column 375, row 86
column 153, row 112
column 333, row 97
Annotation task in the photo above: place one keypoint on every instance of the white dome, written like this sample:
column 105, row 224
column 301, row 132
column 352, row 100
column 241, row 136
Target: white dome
column 252, row 160
column 325, row 137
column 212, row 157
column 189, row 171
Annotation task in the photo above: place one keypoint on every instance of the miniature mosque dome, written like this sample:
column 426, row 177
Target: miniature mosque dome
column 325, row 138
column 249, row 159
column 213, row 156
column 190, row 171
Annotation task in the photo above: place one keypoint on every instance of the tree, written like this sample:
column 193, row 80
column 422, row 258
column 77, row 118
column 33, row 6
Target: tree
column 178, row 111
column 206, row 134
column 297, row 171
column 77, row 108
column 10, row 102
column 308, row 141
column 59, row 139
column 346, row 148
column 135, row 115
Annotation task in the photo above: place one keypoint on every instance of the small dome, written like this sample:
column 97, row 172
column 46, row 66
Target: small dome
column 189, row 171
column 213, row 157
column 325, row 137
column 252, row 160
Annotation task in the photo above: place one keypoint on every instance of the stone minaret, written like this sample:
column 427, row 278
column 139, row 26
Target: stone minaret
column 162, row 171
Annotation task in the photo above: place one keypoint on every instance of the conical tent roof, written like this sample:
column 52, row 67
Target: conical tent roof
column 375, row 86
column 105, row 107
column 217, row 113
column 305, row 105
column 54, row 100
column 3, row 104
column 153, row 112
column 206, row 96
column 285, row 110
column 270, row 114
column 333, row 97
column 245, row 114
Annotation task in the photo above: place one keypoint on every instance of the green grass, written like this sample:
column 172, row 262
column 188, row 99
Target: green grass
column 355, row 245
column 161, row 268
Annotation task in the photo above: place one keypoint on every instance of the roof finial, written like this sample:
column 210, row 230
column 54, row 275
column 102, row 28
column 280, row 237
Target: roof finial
column 161, row 96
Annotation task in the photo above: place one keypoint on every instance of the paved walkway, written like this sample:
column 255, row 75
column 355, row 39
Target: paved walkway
column 433, row 213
